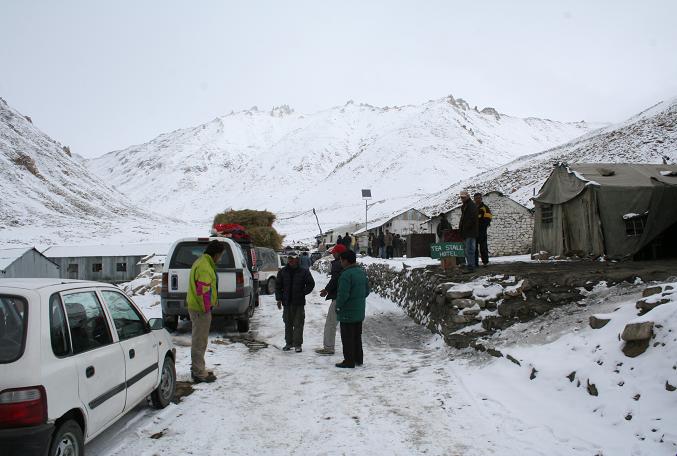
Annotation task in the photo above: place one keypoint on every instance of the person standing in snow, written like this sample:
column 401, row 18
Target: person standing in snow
column 484, row 216
column 469, row 228
column 381, row 244
column 374, row 245
column 348, row 241
column 443, row 227
column 291, row 287
column 329, row 293
column 388, row 239
column 304, row 260
column 353, row 289
column 202, row 297
column 339, row 240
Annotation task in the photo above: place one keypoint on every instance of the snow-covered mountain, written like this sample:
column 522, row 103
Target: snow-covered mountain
column 648, row 137
column 289, row 162
column 47, row 196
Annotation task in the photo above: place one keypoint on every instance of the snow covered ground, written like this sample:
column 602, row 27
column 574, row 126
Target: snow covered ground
column 414, row 395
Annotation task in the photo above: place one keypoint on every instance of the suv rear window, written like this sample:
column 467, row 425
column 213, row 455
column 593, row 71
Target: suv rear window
column 186, row 253
column 13, row 322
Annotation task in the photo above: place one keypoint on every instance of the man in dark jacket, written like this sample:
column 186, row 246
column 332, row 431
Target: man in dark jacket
column 348, row 241
column 442, row 227
column 469, row 228
column 291, row 287
column 484, row 217
column 329, row 293
column 353, row 289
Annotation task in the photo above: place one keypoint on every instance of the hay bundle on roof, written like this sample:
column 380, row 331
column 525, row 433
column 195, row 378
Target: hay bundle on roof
column 259, row 225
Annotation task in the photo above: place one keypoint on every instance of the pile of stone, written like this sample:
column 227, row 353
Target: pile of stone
column 465, row 302
column 637, row 335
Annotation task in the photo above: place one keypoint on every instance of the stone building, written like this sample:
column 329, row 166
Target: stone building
column 511, row 229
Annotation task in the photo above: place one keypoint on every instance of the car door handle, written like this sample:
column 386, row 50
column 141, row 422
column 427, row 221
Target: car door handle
column 89, row 372
column 132, row 353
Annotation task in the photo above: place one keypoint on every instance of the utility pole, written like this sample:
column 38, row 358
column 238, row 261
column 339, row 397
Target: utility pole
column 366, row 195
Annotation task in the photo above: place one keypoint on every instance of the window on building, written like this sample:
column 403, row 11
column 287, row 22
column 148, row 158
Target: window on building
column 88, row 325
column 121, row 267
column 97, row 267
column 546, row 214
column 634, row 226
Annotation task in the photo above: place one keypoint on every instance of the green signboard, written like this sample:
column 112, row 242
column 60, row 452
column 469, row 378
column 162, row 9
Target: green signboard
column 447, row 249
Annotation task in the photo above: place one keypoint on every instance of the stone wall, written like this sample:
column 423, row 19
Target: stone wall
column 511, row 229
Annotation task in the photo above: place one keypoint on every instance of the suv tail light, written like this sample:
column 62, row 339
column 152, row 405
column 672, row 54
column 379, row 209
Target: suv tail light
column 239, row 280
column 23, row 407
column 165, row 284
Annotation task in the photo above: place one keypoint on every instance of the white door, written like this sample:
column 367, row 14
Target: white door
column 139, row 346
column 99, row 360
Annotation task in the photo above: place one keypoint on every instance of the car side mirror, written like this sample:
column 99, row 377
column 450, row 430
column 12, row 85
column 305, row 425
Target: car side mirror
column 156, row 323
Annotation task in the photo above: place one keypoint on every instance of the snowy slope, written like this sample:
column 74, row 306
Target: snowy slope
column 648, row 137
column 48, row 196
column 290, row 163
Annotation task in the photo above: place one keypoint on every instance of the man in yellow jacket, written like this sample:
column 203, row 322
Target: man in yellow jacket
column 203, row 294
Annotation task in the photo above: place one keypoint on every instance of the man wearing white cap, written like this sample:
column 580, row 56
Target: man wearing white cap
column 469, row 228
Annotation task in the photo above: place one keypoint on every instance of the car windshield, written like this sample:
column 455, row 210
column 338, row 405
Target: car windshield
column 186, row 253
column 13, row 320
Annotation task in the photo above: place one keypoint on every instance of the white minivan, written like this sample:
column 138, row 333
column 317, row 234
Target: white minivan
column 74, row 357
column 237, row 298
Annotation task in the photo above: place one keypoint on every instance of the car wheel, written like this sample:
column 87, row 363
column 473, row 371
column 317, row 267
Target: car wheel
column 164, row 393
column 67, row 440
column 171, row 322
column 243, row 325
column 271, row 286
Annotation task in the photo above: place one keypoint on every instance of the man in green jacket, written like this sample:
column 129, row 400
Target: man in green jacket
column 353, row 289
column 203, row 295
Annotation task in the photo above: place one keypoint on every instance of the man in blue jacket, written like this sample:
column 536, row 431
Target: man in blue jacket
column 351, row 302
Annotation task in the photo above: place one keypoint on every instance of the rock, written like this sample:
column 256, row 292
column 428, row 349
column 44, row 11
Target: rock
column 635, row 348
column 440, row 300
column 592, row 389
column 628, row 417
column 542, row 255
column 598, row 322
column 460, row 319
column 636, row 397
column 637, row 331
column 513, row 360
column 443, row 287
column 572, row 376
column 669, row 387
column 495, row 353
column 651, row 291
column 645, row 306
column 463, row 303
column 514, row 291
column 472, row 311
column 459, row 292
column 495, row 322
column 533, row 373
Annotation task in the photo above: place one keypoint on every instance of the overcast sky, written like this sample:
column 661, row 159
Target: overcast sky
column 101, row 76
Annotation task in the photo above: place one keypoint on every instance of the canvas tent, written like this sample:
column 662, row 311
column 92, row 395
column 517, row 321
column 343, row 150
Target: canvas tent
column 617, row 210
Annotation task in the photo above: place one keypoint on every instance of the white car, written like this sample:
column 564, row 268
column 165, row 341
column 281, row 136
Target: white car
column 269, row 264
column 74, row 357
column 237, row 297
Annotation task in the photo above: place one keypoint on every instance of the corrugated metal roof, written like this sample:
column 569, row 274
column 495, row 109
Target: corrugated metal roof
column 113, row 250
column 9, row 256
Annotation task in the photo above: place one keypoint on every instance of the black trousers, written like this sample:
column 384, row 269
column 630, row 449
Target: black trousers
column 482, row 247
column 389, row 251
column 351, row 338
column 293, row 317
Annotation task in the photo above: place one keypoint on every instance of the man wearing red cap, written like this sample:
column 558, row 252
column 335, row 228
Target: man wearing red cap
column 329, row 293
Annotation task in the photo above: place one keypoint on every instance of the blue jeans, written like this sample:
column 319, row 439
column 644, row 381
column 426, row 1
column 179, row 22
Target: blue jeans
column 470, row 246
column 382, row 252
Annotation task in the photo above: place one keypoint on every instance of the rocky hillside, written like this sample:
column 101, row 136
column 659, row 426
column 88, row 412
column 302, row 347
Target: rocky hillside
column 291, row 162
column 47, row 195
column 648, row 137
